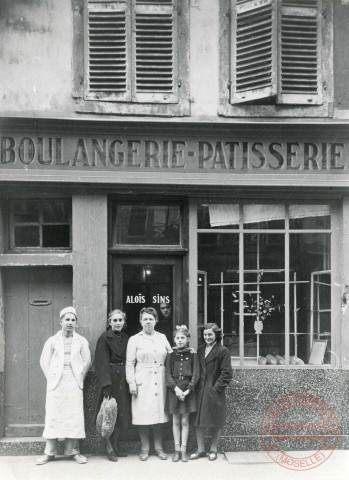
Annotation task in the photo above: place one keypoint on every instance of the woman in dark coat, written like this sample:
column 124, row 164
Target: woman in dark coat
column 110, row 360
column 215, row 375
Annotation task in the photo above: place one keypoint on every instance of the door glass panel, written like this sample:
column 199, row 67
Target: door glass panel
column 309, row 217
column 218, row 277
column 310, row 296
column 27, row 236
column 146, row 225
column 26, row 211
column 264, row 274
column 222, row 216
column 202, row 297
column 264, row 216
column 148, row 285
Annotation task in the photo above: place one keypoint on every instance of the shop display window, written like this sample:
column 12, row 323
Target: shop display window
column 40, row 224
column 146, row 225
column 264, row 276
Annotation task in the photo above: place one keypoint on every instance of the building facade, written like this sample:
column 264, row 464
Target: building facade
column 193, row 153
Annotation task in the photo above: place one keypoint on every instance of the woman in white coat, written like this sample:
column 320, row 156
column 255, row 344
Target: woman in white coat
column 65, row 360
column 145, row 374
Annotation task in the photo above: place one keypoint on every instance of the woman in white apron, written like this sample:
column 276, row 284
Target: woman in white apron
column 65, row 360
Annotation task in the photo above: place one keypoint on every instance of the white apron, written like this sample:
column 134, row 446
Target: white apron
column 64, row 405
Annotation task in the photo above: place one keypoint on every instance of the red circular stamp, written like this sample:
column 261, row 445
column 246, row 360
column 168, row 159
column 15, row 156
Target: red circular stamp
column 299, row 431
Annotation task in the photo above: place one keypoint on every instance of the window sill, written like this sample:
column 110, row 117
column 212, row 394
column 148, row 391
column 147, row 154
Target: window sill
column 282, row 367
column 158, row 249
column 38, row 250
column 244, row 110
column 119, row 108
column 36, row 259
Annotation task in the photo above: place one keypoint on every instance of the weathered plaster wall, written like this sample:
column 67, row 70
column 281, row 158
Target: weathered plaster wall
column 341, row 57
column 35, row 56
column 90, row 278
column 204, row 57
column 36, row 40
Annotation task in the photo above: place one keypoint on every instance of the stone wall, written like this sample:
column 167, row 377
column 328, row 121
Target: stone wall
column 249, row 396
column 253, row 391
column 2, row 406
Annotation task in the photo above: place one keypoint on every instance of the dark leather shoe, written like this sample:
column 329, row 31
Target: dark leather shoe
column 144, row 455
column 212, row 456
column 184, row 457
column 161, row 454
column 111, row 456
column 176, row 456
column 196, row 455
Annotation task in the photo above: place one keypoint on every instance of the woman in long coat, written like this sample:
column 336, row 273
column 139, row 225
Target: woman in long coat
column 110, row 361
column 65, row 361
column 215, row 376
column 145, row 372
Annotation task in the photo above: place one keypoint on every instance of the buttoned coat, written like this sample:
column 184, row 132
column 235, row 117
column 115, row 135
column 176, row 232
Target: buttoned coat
column 111, row 348
column 145, row 368
column 52, row 359
column 182, row 371
column 215, row 376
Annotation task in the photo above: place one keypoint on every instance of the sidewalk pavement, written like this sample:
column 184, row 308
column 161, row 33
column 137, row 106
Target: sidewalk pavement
column 131, row 468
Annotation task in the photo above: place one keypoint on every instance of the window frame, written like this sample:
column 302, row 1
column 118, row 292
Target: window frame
column 115, row 201
column 335, row 250
column 177, row 104
column 12, row 224
column 228, row 109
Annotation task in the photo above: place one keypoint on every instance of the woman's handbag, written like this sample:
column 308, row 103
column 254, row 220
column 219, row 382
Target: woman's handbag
column 106, row 417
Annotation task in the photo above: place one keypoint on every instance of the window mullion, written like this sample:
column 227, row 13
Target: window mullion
column 41, row 222
column 241, row 290
column 287, row 288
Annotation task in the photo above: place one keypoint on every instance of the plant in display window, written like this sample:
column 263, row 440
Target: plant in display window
column 258, row 307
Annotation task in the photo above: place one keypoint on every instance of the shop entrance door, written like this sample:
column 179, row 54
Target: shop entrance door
column 33, row 300
column 149, row 281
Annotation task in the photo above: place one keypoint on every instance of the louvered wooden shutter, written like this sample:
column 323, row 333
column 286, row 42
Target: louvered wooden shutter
column 299, row 62
column 254, row 54
column 155, row 51
column 108, row 50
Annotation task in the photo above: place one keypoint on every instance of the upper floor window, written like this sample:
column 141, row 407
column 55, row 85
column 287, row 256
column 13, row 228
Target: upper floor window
column 40, row 224
column 134, row 52
column 280, row 56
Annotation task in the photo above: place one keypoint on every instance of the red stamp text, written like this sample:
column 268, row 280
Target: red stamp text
column 303, row 423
